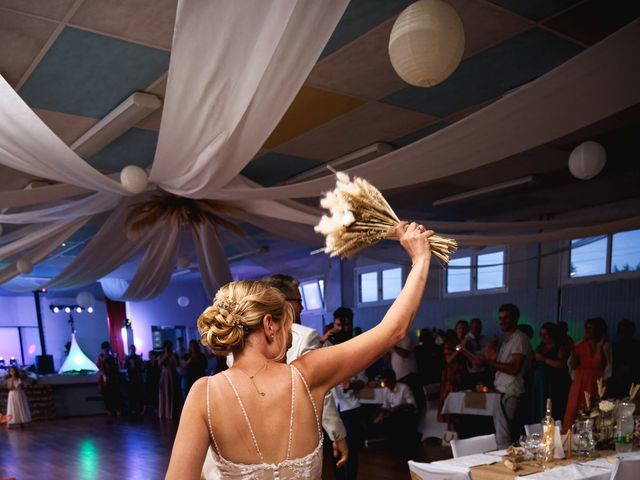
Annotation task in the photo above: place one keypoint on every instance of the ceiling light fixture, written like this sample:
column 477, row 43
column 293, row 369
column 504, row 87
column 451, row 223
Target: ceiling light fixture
column 138, row 106
column 486, row 191
column 345, row 162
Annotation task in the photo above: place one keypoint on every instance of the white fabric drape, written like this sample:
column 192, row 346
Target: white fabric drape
column 114, row 288
column 6, row 238
column 91, row 205
column 35, row 237
column 235, row 69
column 157, row 265
column 214, row 268
column 28, row 145
column 595, row 84
column 46, row 247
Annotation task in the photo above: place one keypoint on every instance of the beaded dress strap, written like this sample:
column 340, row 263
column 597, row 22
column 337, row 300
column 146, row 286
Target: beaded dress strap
column 215, row 444
column 313, row 404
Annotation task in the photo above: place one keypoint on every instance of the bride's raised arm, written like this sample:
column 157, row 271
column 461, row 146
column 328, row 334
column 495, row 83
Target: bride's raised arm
column 327, row 367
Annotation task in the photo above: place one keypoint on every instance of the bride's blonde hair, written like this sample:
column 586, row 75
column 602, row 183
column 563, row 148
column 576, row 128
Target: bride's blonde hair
column 238, row 308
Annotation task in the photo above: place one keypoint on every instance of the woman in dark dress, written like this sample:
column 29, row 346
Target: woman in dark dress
column 170, row 399
column 195, row 365
column 550, row 375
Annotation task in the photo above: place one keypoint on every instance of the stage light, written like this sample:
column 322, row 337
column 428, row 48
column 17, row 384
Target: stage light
column 123, row 332
column 67, row 309
column 13, row 362
column 44, row 290
column 2, row 362
column 56, row 309
column 79, row 309
column 90, row 309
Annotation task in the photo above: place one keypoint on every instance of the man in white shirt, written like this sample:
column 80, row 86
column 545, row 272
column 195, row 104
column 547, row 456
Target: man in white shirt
column 475, row 343
column 509, row 365
column 403, row 363
column 397, row 417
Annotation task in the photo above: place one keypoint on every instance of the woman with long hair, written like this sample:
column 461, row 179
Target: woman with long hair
column 262, row 416
column 17, row 404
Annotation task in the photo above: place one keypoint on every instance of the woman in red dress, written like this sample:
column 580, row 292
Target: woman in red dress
column 588, row 359
column 456, row 365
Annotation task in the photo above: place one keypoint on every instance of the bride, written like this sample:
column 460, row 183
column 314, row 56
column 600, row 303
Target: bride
column 262, row 416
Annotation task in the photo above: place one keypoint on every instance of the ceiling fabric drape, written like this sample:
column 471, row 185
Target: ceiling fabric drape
column 212, row 262
column 224, row 98
column 90, row 205
column 34, row 237
column 595, row 84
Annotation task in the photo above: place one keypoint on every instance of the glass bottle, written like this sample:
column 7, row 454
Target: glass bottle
column 548, row 433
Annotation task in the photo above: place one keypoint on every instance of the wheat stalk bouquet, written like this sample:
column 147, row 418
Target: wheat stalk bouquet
column 360, row 216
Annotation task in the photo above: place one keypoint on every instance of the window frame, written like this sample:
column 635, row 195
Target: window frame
column 317, row 281
column 378, row 268
column 474, row 254
column 608, row 275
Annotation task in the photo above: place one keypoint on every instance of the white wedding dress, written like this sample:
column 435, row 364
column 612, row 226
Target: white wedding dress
column 308, row 467
column 17, row 404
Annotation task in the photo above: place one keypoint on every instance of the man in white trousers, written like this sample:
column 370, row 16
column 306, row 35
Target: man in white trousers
column 305, row 339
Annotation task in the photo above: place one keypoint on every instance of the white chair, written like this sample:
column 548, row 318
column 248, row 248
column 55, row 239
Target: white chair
column 537, row 428
column 469, row 446
column 426, row 471
column 626, row 469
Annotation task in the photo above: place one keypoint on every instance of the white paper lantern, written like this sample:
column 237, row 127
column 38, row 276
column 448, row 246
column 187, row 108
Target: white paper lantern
column 24, row 266
column 183, row 301
column 183, row 261
column 426, row 43
column 85, row 299
column 133, row 179
column 587, row 160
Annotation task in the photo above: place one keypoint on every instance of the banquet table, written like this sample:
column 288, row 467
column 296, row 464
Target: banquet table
column 473, row 403
column 373, row 396
column 489, row 466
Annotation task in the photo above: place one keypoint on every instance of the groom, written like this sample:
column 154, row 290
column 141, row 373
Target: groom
column 305, row 339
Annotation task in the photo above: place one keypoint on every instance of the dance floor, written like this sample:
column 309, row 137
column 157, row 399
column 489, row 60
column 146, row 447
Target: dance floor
column 106, row 448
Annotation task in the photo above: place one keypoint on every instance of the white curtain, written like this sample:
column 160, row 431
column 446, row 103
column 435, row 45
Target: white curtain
column 595, row 84
column 235, row 69
column 214, row 268
column 35, row 237
column 90, row 205
column 28, row 145
column 114, row 288
column 42, row 250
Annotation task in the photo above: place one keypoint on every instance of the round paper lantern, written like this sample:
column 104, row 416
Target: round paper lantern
column 133, row 179
column 426, row 43
column 85, row 299
column 183, row 261
column 183, row 301
column 587, row 160
column 24, row 266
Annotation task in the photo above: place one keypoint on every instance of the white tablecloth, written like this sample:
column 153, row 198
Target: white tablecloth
column 378, row 397
column 454, row 403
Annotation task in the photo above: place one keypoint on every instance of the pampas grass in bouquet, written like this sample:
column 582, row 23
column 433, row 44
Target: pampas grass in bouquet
column 360, row 216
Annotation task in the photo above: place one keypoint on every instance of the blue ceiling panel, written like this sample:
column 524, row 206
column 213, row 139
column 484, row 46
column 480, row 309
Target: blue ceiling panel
column 418, row 134
column 360, row 17
column 87, row 74
column 273, row 167
column 489, row 74
column 136, row 147
column 535, row 9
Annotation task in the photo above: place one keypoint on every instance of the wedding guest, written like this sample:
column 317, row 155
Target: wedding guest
column 550, row 376
column 170, row 399
column 182, row 353
column 403, row 363
column 398, row 416
column 109, row 379
column 509, row 365
column 342, row 329
column 152, row 383
column 135, row 376
column 626, row 360
column 195, row 364
column 17, row 404
column 475, row 344
column 429, row 358
column 588, row 359
column 455, row 367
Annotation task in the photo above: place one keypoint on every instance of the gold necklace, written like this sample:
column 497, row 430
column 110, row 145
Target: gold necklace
column 251, row 377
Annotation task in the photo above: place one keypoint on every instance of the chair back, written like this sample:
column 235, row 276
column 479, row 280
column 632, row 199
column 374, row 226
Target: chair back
column 426, row 471
column 626, row 469
column 469, row 446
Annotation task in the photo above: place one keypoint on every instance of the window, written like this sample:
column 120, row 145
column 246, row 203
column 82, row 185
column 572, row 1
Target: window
column 476, row 272
column 312, row 293
column 379, row 285
column 613, row 253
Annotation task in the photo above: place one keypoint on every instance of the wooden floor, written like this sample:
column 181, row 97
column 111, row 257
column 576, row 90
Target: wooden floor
column 105, row 448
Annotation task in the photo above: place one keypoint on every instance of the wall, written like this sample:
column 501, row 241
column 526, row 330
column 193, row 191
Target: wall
column 165, row 311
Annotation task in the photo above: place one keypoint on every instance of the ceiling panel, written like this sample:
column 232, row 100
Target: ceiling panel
column 67, row 127
column 146, row 21
column 87, row 74
column 370, row 123
column 22, row 37
column 535, row 9
column 54, row 9
column 272, row 168
column 490, row 73
column 136, row 147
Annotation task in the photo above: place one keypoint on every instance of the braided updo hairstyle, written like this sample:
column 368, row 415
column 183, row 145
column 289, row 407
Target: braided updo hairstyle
column 238, row 308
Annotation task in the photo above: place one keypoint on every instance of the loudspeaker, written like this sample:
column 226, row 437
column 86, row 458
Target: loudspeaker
column 44, row 364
